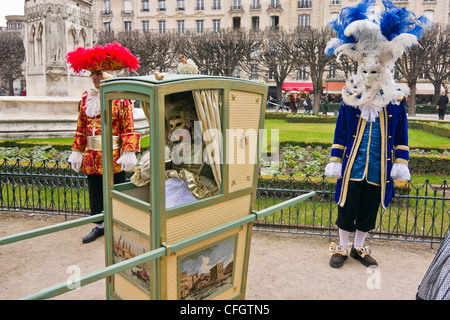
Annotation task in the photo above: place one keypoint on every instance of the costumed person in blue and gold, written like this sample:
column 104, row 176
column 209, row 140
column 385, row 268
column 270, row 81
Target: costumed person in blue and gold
column 102, row 62
column 370, row 148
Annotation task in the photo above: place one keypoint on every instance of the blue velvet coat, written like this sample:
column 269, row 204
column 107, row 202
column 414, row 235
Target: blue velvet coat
column 394, row 146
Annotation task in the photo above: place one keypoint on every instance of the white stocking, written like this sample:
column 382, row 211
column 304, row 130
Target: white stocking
column 343, row 238
column 360, row 237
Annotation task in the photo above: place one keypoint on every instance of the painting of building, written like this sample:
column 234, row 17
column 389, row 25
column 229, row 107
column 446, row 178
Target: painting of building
column 207, row 272
column 128, row 244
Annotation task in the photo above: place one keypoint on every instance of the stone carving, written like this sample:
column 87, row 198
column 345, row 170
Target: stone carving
column 53, row 27
column 55, row 38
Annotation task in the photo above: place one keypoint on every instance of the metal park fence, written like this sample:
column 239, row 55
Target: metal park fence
column 417, row 213
column 43, row 187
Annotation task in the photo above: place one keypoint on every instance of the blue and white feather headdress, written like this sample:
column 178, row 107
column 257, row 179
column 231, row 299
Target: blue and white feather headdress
column 375, row 39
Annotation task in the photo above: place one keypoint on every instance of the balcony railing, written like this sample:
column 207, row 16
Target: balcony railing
column 274, row 7
column 236, row 8
column 304, row 5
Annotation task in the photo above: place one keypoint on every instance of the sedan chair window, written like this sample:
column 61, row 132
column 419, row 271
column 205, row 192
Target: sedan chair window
column 192, row 148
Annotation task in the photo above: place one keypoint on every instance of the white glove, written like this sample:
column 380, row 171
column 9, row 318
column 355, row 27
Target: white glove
column 333, row 169
column 400, row 172
column 75, row 159
column 145, row 171
column 127, row 161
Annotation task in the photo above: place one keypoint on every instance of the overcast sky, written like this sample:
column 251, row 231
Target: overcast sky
column 9, row 8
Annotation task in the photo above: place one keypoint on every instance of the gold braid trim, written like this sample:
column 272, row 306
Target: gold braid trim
column 399, row 160
column 338, row 146
column 401, row 147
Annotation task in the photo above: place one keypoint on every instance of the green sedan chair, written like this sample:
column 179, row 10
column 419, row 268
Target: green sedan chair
column 206, row 228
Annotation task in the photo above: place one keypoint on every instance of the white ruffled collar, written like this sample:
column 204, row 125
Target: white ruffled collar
column 93, row 103
column 370, row 112
column 370, row 102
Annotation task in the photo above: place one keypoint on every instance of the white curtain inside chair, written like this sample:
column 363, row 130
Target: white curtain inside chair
column 146, row 108
column 208, row 104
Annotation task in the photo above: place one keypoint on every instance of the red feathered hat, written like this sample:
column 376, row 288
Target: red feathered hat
column 112, row 56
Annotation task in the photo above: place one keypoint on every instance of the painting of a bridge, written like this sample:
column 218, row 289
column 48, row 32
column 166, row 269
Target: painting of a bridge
column 207, row 272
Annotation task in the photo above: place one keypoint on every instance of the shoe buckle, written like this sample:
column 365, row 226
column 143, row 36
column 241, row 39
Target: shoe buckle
column 338, row 249
column 363, row 251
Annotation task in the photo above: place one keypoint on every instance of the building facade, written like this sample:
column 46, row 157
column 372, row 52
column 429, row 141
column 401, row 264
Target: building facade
column 198, row 16
column 82, row 20
column 14, row 23
column 203, row 15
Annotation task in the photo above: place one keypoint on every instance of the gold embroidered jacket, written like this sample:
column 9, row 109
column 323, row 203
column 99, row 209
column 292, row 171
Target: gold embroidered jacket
column 127, row 139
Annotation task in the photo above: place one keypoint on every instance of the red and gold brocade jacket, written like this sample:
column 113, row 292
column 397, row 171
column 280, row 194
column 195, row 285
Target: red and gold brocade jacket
column 123, row 128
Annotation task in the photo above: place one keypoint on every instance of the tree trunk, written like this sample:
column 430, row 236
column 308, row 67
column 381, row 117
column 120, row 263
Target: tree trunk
column 280, row 91
column 412, row 99
column 317, row 90
column 11, row 86
column 437, row 92
column 317, row 96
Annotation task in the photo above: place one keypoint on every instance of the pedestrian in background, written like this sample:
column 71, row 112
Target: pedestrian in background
column 325, row 101
column 442, row 105
column 293, row 103
column 308, row 105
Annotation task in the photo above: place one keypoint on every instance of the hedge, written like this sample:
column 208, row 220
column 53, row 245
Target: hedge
column 420, row 108
column 426, row 164
column 430, row 127
column 318, row 118
column 15, row 144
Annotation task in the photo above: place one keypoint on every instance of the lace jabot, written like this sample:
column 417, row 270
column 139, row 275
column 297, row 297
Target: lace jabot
column 93, row 103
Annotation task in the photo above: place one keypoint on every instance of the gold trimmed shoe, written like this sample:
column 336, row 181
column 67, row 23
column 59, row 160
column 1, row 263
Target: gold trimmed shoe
column 338, row 255
column 363, row 255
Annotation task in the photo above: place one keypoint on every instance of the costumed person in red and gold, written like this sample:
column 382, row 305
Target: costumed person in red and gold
column 102, row 62
column 370, row 148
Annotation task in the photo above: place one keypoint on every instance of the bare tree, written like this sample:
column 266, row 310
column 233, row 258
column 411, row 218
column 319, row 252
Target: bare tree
column 155, row 51
column 221, row 53
column 200, row 48
column 310, row 44
column 347, row 65
column 413, row 63
column 277, row 57
column 439, row 62
column 12, row 53
column 158, row 52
